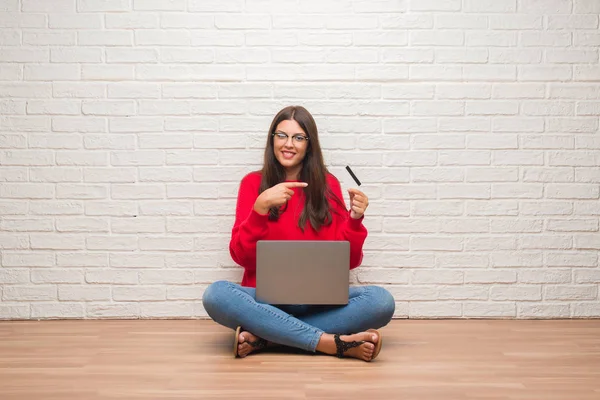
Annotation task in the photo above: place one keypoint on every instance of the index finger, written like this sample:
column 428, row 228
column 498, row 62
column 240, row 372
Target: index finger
column 294, row 184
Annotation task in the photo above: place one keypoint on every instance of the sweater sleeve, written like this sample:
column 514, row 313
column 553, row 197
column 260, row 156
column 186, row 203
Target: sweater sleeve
column 349, row 229
column 249, row 226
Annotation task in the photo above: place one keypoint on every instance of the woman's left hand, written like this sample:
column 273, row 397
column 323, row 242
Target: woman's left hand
column 358, row 203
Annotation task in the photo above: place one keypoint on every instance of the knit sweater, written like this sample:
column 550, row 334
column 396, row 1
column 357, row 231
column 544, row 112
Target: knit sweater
column 250, row 226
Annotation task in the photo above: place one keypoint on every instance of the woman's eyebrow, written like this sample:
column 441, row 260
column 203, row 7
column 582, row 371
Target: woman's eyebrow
column 280, row 131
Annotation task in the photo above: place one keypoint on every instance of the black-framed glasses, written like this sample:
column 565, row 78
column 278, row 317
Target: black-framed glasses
column 297, row 138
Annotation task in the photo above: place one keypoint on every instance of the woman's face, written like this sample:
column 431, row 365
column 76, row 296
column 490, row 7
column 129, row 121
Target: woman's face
column 290, row 150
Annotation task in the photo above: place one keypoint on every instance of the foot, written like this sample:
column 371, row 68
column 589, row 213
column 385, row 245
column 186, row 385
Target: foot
column 245, row 346
column 363, row 351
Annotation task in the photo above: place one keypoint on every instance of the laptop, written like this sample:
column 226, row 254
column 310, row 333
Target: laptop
column 302, row 272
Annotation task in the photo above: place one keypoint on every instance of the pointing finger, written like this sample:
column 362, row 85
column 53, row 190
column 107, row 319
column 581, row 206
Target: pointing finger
column 294, row 184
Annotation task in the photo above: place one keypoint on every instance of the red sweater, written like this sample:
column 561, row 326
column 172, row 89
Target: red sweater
column 250, row 226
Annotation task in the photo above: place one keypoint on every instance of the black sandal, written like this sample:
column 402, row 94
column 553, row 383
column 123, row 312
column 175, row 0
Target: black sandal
column 342, row 346
column 258, row 344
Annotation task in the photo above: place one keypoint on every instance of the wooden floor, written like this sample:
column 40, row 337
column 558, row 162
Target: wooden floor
column 167, row 359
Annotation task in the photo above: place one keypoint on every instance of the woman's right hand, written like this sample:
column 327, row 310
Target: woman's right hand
column 276, row 196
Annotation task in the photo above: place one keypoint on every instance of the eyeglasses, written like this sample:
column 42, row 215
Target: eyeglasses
column 298, row 139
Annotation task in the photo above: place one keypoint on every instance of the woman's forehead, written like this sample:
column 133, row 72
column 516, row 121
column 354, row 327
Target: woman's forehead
column 289, row 126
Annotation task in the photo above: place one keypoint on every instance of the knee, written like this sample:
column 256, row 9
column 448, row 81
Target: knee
column 213, row 296
column 384, row 304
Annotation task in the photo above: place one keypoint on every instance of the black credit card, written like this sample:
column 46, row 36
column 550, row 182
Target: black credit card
column 352, row 175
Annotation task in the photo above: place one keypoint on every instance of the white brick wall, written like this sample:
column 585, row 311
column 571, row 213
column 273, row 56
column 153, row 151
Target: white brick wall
column 126, row 125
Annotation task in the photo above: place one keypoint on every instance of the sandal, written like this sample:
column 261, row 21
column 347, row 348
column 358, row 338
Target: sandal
column 342, row 346
column 258, row 344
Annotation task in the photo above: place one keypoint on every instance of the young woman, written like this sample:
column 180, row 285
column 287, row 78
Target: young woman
column 294, row 197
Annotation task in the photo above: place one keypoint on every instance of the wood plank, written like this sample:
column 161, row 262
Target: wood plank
column 191, row 359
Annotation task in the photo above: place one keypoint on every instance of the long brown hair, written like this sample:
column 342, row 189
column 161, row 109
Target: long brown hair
column 317, row 193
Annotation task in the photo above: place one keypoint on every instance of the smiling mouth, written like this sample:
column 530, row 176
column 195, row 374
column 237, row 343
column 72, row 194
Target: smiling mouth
column 288, row 155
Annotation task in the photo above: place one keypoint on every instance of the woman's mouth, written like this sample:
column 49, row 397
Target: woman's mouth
column 288, row 155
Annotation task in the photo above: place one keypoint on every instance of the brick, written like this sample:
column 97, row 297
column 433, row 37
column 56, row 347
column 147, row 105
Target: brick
column 539, row 6
column 515, row 56
column 168, row 309
column 492, row 174
column 491, row 39
column 25, row 124
column 490, row 72
column 78, row 90
column 170, row 207
column 166, row 243
column 429, row 277
column 586, row 6
column 437, row 243
column 553, row 174
column 492, row 207
column 573, row 225
column 436, row 309
column 28, row 259
column 95, row 72
column 490, row 276
column 514, row 292
column 463, row 292
column 518, row 91
column 434, row 38
column 173, row 277
column 56, row 276
column 30, row 293
column 105, row 38
column 491, row 243
column 56, row 241
column 26, row 225
column 57, row 310
column 516, row 21
column 56, row 6
column 489, row 310
column 159, row 5
column 83, row 293
column 586, row 241
column 113, row 310
column 45, row 38
column 51, row 72
column 136, row 21
column 81, row 224
column 587, row 276
column 56, row 174
column 542, row 311
column 586, row 73
column 425, row 141
column 26, row 190
column 124, row 260
column 518, row 226
column 120, row 242
column 75, row 21
column 13, row 174
column 436, row 72
column 569, row 259
column 544, row 276
column 566, row 292
column 138, row 225
column 518, row 157
column 138, row 293
column 464, row 191
column 14, row 312
column 14, row 276
column 517, row 190
column 104, row 6
column 84, row 259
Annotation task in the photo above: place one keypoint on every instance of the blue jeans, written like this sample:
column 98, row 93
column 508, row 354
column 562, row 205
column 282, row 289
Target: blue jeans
column 299, row 326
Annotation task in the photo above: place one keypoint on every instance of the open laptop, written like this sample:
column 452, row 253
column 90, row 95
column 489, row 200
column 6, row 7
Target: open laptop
column 302, row 272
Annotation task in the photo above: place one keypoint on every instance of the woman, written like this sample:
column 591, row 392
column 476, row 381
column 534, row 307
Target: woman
column 294, row 197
